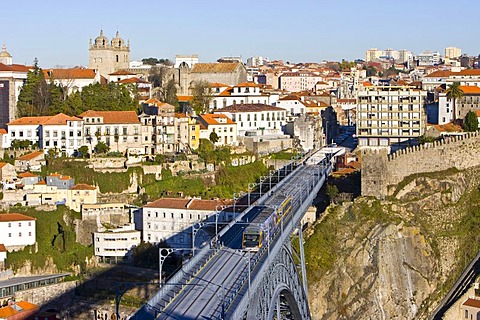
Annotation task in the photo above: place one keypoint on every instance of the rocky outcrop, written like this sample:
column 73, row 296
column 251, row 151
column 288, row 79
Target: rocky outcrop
column 392, row 259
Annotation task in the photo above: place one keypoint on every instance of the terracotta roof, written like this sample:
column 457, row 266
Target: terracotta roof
column 184, row 98
column 248, row 84
column 152, row 101
column 11, row 311
column 121, row 73
column 3, row 164
column 448, row 127
column 2, row 248
column 219, row 67
column 251, row 107
column 14, row 68
column 439, row 74
column 346, row 100
column 315, row 104
column 58, row 119
column 132, row 80
column 8, row 217
column 83, row 186
column 472, row 303
column 470, row 72
column 218, row 85
column 113, row 116
column 367, row 84
column 192, row 204
column 477, row 112
column 226, row 93
column 470, row 89
column 290, row 97
column 27, row 175
column 31, row 155
column 41, row 182
column 212, row 119
column 3, row 131
column 73, row 73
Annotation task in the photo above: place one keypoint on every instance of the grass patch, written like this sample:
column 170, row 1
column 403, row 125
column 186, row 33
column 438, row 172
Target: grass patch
column 55, row 239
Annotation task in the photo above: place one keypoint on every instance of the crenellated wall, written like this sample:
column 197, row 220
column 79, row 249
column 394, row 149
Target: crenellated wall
column 381, row 172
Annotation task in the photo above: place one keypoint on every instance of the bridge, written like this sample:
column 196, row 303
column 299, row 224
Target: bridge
column 222, row 281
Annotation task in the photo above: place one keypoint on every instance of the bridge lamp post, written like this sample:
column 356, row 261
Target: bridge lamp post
column 161, row 260
column 199, row 225
column 262, row 179
column 251, row 186
column 222, row 207
column 270, row 175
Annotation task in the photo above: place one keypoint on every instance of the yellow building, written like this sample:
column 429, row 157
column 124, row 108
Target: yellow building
column 81, row 194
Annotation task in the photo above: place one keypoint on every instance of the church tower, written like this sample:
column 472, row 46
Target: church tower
column 5, row 57
column 107, row 57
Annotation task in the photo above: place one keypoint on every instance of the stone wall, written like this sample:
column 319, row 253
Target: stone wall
column 381, row 172
column 42, row 295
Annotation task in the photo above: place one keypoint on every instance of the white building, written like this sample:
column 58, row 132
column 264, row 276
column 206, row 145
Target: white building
column 17, row 230
column 263, row 118
column 452, row 52
column 428, row 58
column 120, row 130
column 299, row 81
column 292, row 104
column 221, row 125
column 73, row 79
column 170, row 219
column 116, row 244
column 390, row 114
column 60, row 132
column 243, row 93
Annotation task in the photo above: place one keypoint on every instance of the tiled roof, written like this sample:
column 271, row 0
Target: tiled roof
column 8, row 217
column 211, row 119
column 14, row 68
column 59, row 119
column 218, row 85
column 31, row 155
column 315, row 104
column 83, row 186
column 184, row 98
column 477, row 112
column 3, row 164
column 12, row 312
column 121, row 73
column 112, row 117
column 470, row 72
column 251, row 107
column 367, row 84
column 2, row 248
column 470, row 89
column 447, row 127
column 439, row 74
column 132, row 80
column 248, row 84
column 290, row 97
column 3, row 131
column 193, row 204
column 73, row 73
column 472, row 303
column 346, row 100
column 226, row 93
column 219, row 67
column 27, row 175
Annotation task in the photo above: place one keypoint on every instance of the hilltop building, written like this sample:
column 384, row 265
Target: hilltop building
column 107, row 56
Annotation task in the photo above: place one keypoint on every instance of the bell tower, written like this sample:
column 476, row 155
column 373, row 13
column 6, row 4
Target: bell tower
column 108, row 56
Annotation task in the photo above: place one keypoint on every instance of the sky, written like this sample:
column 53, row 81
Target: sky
column 57, row 33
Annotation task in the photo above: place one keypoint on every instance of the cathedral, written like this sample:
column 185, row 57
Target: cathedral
column 108, row 56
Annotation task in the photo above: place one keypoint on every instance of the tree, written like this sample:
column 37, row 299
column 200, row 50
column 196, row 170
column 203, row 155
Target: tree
column 157, row 76
column 471, row 122
column 168, row 93
column 101, row 148
column 454, row 92
column 214, row 137
column 34, row 97
column 201, row 96
column 83, row 150
column 332, row 192
column 150, row 61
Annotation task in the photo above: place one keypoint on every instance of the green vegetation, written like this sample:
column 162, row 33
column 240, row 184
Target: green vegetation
column 454, row 92
column 55, row 239
column 40, row 96
column 471, row 122
column 228, row 180
column 282, row 155
column 425, row 139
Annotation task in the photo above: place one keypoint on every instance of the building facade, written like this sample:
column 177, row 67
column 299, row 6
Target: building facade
column 17, row 230
column 224, row 128
column 106, row 56
column 116, row 244
column 390, row 114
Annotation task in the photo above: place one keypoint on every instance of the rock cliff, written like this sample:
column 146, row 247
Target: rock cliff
column 396, row 258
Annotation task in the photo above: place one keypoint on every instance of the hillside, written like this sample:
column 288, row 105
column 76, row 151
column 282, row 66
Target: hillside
column 394, row 259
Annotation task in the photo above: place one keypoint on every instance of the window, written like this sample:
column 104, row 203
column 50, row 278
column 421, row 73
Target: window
column 19, row 224
column 29, row 234
column 20, row 234
column 9, row 225
column 9, row 235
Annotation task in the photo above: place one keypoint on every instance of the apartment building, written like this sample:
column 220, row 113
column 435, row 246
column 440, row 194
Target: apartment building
column 221, row 125
column 470, row 101
column 388, row 115
column 116, row 244
column 17, row 230
column 59, row 132
column 172, row 218
column 120, row 130
column 259, row 117
column 299, row 81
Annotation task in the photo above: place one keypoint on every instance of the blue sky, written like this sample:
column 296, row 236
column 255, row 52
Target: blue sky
column 58, row 32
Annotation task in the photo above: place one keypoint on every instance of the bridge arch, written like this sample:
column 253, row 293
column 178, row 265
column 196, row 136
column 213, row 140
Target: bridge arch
column 282, row 279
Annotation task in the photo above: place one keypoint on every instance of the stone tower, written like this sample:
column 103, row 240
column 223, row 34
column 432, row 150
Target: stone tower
column 107, row 57
column 5, row 57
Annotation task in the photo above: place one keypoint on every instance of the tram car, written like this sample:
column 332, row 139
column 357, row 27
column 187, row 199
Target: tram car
column 266, row 223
